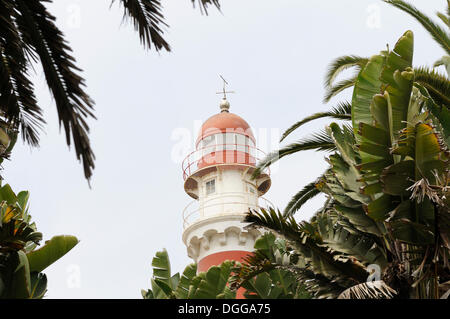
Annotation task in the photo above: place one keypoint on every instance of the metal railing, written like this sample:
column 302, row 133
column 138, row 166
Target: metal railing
column 195, row 211
column 242, row 154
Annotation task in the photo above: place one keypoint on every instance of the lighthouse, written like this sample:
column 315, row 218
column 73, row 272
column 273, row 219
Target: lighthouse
column 217, row 176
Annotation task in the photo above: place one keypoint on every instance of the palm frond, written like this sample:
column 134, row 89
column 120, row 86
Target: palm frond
column 319, row 286
column 342, row 63
column 339, row 87
column 342, row 236
column 442, row 61
column 369, row 290
column 443, row 18
column 448, row 9
column 250, row 267
column 305, row 194
column 73, row 104
column 18, row 103
column 307, row 242
column 319, row 141
column 436, row 83
column 148, row 20
column 343, row 111
column 439, row 34
column 203, row 5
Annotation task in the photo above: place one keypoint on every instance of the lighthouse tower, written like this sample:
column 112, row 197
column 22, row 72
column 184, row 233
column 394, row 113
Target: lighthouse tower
column 217, row 175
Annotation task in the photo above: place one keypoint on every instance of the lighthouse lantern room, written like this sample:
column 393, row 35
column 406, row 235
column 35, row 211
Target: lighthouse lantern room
column 217, row 175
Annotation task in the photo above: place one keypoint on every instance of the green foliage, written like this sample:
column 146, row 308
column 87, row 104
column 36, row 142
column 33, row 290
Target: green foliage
column 305, row 194
column 265, row 274
column 342, row 111
column 305, row 239
column 336, row 68
column 387, row 188
column 222, row 282
column 190, row 285
column 53, row 250
column 320, row 141
column 21, row 265
column 212, row 284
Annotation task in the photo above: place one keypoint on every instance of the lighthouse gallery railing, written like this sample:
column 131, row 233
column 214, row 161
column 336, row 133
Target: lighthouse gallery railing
column 246, row 152
column 195, row 212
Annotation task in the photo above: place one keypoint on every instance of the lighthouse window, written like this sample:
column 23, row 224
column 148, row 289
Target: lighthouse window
column 208, row 144
column 210, row 186
column 249, row 141
column 240, row 142
column 220, row 142
column 230, row 141
column 209, row 140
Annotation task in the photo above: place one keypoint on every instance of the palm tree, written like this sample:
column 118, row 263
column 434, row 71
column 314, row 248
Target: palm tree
column 388, row 197
column 28, row 34
column 436, row 84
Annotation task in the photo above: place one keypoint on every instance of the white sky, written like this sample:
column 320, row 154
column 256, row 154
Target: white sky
column 274, row 54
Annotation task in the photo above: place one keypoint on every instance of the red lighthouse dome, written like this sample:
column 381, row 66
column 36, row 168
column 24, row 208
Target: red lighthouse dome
column 226, row 138
column 225, row 122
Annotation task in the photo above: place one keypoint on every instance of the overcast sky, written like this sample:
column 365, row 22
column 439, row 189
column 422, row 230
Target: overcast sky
column 274, row 54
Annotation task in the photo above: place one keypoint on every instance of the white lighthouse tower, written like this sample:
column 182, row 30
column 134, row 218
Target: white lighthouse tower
column 217, row 175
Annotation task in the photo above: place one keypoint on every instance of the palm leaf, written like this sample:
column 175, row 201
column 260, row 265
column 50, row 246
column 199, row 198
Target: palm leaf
column 18, row 103
column 305, row 194
column 38, row 285
column 340, row 235
column 437, row 84
column 445, row 61
column 54, row 249
column 398, row 75
column 341, row 112
column 148, row 20
column 339, row 87
column 203, row 5
column 448, row 9
column 316, row 284
column 304, row 238
column 440, row 116
column 161, row 267
column 182, row 290
column 73, row 104
column 443, row 18
column 342, row 63
column 367, row 85
column 213, row 283
column 369, row 290
column 319, row 141
column 320, row 286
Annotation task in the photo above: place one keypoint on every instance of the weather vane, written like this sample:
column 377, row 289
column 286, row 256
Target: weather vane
column 224, row 91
